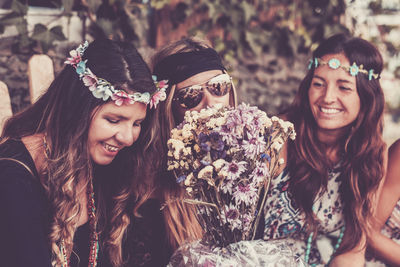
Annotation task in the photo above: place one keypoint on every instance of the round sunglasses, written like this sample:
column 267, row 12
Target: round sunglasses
column 189, row 97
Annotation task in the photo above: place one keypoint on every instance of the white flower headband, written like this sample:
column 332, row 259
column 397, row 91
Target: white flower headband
column 101, row 88
column 334, row 63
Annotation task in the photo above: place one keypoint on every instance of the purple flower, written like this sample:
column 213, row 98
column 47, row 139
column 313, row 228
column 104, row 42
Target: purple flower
column 205, row 147
column 180, row 179
column 227, row 186
column 235, row 169
column 260, row 173
column 254, row 146
column 231, row 215
column 246, row 194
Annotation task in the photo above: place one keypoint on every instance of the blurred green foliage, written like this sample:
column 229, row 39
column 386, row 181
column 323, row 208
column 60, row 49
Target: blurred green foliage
column 281, row 27
column 42, row 36
column 284, row 27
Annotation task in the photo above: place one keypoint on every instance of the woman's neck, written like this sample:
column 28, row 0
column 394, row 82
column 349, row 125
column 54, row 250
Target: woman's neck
column 331, row 141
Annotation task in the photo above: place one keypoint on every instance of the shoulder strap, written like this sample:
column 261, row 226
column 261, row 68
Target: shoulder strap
column 21, row 163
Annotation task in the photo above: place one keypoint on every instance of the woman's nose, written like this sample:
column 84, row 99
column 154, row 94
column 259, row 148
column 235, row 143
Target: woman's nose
column 125, row 136
column 211, row 100
column 329, row 94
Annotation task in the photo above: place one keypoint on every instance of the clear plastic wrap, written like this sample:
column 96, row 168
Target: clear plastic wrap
column 274, row 253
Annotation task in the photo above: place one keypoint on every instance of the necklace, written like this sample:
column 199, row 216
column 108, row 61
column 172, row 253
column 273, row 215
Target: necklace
column 309, row 242
column 93, row 238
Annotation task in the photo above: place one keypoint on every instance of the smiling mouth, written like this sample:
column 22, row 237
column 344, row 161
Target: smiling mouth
column 110, row 148
column 329, row 110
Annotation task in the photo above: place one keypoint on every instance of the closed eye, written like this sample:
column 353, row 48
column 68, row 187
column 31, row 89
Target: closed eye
column 317, row 84
column 344, row 88
column 113, row 121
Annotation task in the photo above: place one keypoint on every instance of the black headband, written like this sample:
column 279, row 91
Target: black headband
column 179, row 67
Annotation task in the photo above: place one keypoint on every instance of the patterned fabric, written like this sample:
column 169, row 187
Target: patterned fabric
column 283, row 219
column 392, row 226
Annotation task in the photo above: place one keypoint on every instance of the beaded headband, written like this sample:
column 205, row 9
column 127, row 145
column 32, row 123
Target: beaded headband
column 334, row 63
column 101, row 88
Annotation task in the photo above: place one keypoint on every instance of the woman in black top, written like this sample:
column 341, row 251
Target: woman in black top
column 66, row 162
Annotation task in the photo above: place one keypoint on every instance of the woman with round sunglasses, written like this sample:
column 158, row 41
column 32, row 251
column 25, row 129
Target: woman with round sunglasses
column 66, row 161
column 196, row 79
column 325, row 196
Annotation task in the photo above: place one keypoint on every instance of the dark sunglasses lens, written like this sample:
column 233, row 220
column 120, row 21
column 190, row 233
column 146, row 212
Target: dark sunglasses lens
column 219, row 89
column 189, row 98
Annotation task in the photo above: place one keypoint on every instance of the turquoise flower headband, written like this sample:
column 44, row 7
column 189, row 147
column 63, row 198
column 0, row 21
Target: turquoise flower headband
column 101, row 88
column 334, row 63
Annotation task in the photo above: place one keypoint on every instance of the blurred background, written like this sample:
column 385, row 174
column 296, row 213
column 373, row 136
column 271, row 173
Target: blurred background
column 264, row 43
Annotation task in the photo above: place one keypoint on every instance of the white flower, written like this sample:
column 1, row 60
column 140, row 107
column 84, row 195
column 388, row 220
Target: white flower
column 246, row 194
column 188, row 180
column 218, row 164
column 274, row 118
column 177, row 146
column 277, row 144
column 231, row 215
column 206, row 172
column 235, row 169
column 292, row 135
column 281, row 161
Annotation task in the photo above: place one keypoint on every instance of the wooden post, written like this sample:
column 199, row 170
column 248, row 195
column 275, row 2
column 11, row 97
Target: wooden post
column 5, row 104
column 41, row 74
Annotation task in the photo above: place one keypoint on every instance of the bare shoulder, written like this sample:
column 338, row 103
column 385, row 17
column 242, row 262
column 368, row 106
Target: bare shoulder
column 393, row 166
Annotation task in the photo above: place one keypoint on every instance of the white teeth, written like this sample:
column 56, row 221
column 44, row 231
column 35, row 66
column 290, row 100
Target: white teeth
column 111, row 148
column 329, row 110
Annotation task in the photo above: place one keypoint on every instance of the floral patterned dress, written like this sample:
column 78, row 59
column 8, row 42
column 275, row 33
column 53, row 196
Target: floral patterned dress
column 284, row 221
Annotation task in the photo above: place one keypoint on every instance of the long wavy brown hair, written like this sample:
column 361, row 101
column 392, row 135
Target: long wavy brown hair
column 63, row 115
column 180, row 219
column 360, row 150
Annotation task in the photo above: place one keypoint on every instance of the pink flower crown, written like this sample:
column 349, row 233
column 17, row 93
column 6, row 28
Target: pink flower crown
column 101, row 88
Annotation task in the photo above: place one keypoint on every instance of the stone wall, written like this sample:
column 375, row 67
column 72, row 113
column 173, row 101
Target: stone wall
column 14, row 73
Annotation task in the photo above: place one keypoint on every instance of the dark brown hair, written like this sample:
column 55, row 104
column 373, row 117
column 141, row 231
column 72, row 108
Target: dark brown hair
column 361, row 149
column 63, row 114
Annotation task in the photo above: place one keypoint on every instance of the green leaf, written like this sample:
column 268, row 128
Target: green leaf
column 106, row 25
column 254, row 42
column 57, row 33
column 159, row 4
column 93, row 5
column 68, row 5
column 12, row 19
column 19, row 8
column 39, row 31
column 47, row 37
column 248, row 10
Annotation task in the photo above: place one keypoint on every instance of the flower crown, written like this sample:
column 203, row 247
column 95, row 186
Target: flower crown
column 101, row 88
column 334, row 63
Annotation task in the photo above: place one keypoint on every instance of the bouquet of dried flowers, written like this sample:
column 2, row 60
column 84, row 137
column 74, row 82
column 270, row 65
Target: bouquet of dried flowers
column 225, row 158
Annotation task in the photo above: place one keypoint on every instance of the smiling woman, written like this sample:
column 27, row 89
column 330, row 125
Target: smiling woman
column 335, row 165
column 333, row 96
column 67, row 163
column 114, row 128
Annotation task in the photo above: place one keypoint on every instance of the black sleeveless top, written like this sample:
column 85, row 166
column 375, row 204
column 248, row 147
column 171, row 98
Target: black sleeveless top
column 25, row 214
